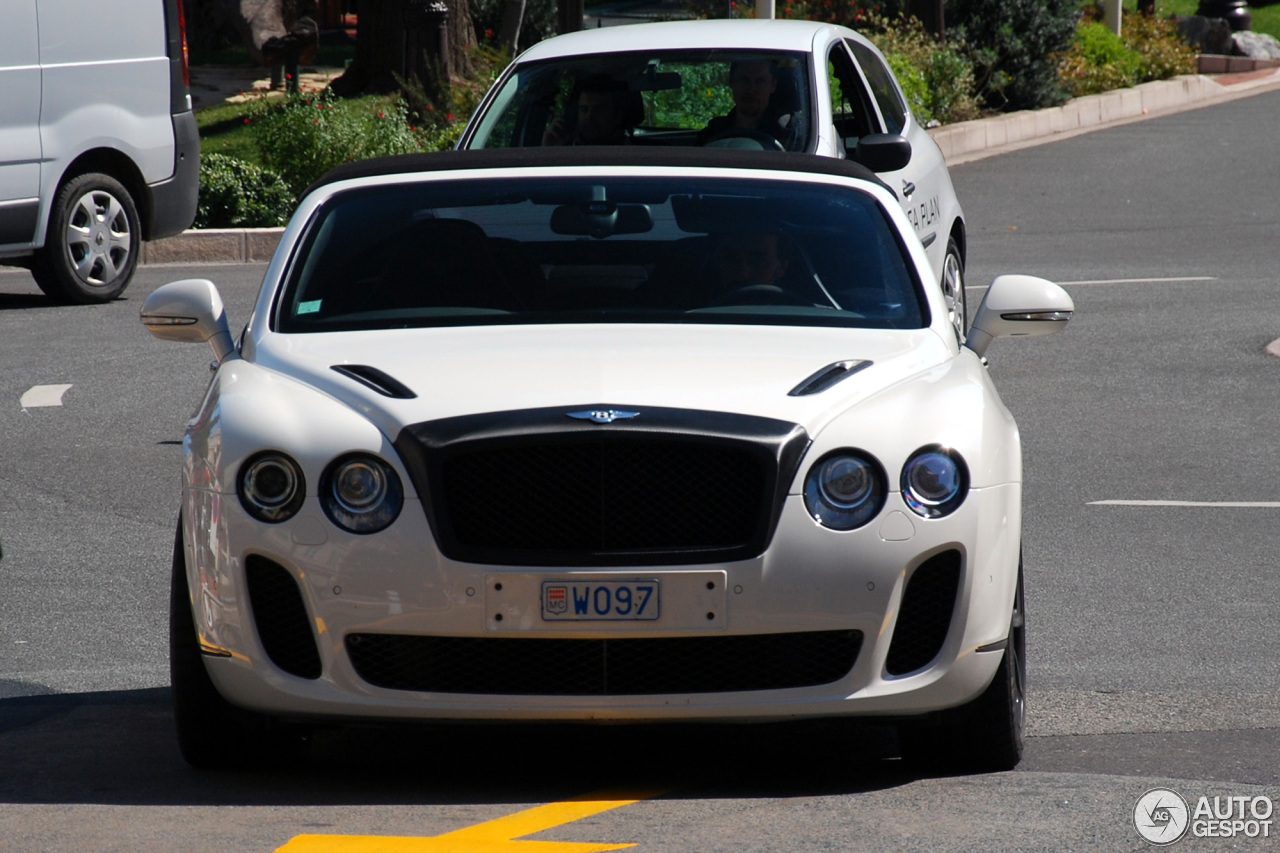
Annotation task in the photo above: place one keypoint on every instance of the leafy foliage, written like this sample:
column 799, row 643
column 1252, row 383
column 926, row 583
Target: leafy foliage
column 1013, row 44
column 704, row 93
column 236, row 194
column 539, row 22
column 1147, row 49
column 302, row 136
column 937, row 77
column 442, row 106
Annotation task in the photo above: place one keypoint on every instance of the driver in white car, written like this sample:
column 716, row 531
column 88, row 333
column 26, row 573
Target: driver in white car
column 741, row 260
column 753, row 84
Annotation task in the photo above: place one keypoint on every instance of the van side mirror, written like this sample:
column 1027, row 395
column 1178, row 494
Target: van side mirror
column 1019, row 306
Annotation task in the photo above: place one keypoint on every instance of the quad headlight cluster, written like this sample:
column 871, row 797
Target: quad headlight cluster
column 358, row 492
column 847, row 488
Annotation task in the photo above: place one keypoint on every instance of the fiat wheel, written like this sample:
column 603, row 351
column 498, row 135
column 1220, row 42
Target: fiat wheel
column 953, row 289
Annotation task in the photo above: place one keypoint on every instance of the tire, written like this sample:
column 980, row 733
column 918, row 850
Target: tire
column 212, row 733
column 92, row 245
column 987, row 734
column 953, row 289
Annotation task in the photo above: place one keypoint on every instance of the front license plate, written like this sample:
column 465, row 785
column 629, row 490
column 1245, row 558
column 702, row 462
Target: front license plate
column 592, row 601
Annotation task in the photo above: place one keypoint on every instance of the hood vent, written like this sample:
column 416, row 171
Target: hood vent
column 372, row 377
column 828, row 376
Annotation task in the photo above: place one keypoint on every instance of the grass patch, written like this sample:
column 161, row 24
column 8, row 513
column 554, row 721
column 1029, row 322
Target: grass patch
column 224, row 130
column 1266, row 19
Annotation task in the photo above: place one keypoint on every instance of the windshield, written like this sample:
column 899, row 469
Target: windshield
column 600, row 249
column 724, row 98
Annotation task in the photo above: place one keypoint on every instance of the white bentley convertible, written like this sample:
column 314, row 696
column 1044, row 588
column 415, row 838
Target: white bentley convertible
column 647, row 435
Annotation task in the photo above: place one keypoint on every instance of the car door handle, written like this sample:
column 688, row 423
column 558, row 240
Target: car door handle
column 908, row 189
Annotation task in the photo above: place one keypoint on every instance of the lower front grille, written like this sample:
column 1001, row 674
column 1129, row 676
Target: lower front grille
column 925, row 615
column 281, row 618
column 617, row 667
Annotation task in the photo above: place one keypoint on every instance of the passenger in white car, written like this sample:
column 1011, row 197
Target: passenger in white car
column 601, row 114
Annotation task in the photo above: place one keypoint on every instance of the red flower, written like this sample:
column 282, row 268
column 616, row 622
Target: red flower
column 449, row 117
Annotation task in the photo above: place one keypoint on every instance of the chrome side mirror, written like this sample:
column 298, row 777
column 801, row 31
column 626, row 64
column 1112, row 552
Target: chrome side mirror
column 1019, row 306
column 189, row 311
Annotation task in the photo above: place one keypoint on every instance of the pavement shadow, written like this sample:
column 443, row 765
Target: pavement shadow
column 118, row 748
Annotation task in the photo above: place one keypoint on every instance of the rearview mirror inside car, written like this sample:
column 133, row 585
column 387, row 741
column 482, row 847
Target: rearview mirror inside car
column 601, row 218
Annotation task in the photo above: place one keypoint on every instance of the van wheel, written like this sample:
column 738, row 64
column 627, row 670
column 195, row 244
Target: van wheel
column 92, row 245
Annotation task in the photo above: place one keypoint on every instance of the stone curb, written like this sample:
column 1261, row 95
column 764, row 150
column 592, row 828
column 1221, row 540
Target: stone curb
column 972, row 140
column 214, row 246
column 960, row 143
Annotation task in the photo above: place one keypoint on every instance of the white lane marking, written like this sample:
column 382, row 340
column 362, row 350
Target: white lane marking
column 1140, row 280
column 1229, row 504
column 1117, row 281
column 43, row 395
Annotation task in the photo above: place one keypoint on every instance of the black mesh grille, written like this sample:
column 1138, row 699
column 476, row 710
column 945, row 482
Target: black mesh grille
column 546, row 487
column 632, row 666
column 925, row 615
column 281, row 617
column 604, row 496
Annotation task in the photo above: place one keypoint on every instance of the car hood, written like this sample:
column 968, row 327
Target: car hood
column 748, row 370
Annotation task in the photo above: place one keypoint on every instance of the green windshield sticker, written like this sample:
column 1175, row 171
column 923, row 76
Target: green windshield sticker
column 309, row 307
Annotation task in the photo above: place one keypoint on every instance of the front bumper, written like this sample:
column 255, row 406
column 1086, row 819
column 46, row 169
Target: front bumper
column 809, row 581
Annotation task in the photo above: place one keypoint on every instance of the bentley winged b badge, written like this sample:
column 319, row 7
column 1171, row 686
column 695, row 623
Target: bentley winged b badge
column 602, row 416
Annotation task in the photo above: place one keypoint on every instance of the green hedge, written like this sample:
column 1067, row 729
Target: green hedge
column 236, row 194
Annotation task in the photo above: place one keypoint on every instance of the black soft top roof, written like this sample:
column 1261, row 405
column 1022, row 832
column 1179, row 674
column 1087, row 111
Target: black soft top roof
column 614, row 155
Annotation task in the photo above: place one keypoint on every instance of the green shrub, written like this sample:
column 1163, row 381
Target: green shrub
column 936, row 77
column 440, row 107
column 302, row 136
column 855, row 14
column 1098, row 60
column 236, row 194
column 1164, row 52
column 1013, row 45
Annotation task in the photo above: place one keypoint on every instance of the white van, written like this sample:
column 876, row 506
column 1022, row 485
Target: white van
column 99, row 148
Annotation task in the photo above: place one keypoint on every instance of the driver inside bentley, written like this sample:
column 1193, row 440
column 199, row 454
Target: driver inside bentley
column 753, row 84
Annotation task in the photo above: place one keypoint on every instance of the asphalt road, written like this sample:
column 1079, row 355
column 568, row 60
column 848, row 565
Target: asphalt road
column 1154, row 659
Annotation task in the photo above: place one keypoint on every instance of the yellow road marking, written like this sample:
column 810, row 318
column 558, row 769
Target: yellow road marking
column 494, row 836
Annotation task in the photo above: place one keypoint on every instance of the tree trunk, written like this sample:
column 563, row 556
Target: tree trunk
column 381, row 42
column 462, row 37
column 569, row 16
column 509, row 31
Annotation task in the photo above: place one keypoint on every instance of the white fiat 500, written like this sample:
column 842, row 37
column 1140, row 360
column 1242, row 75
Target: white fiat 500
column 800, row 86
column 646, row 435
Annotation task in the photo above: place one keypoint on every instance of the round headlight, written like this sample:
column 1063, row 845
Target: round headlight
column 844, row 490
column 271, row 487
column 935, row 481
column 361, row 493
